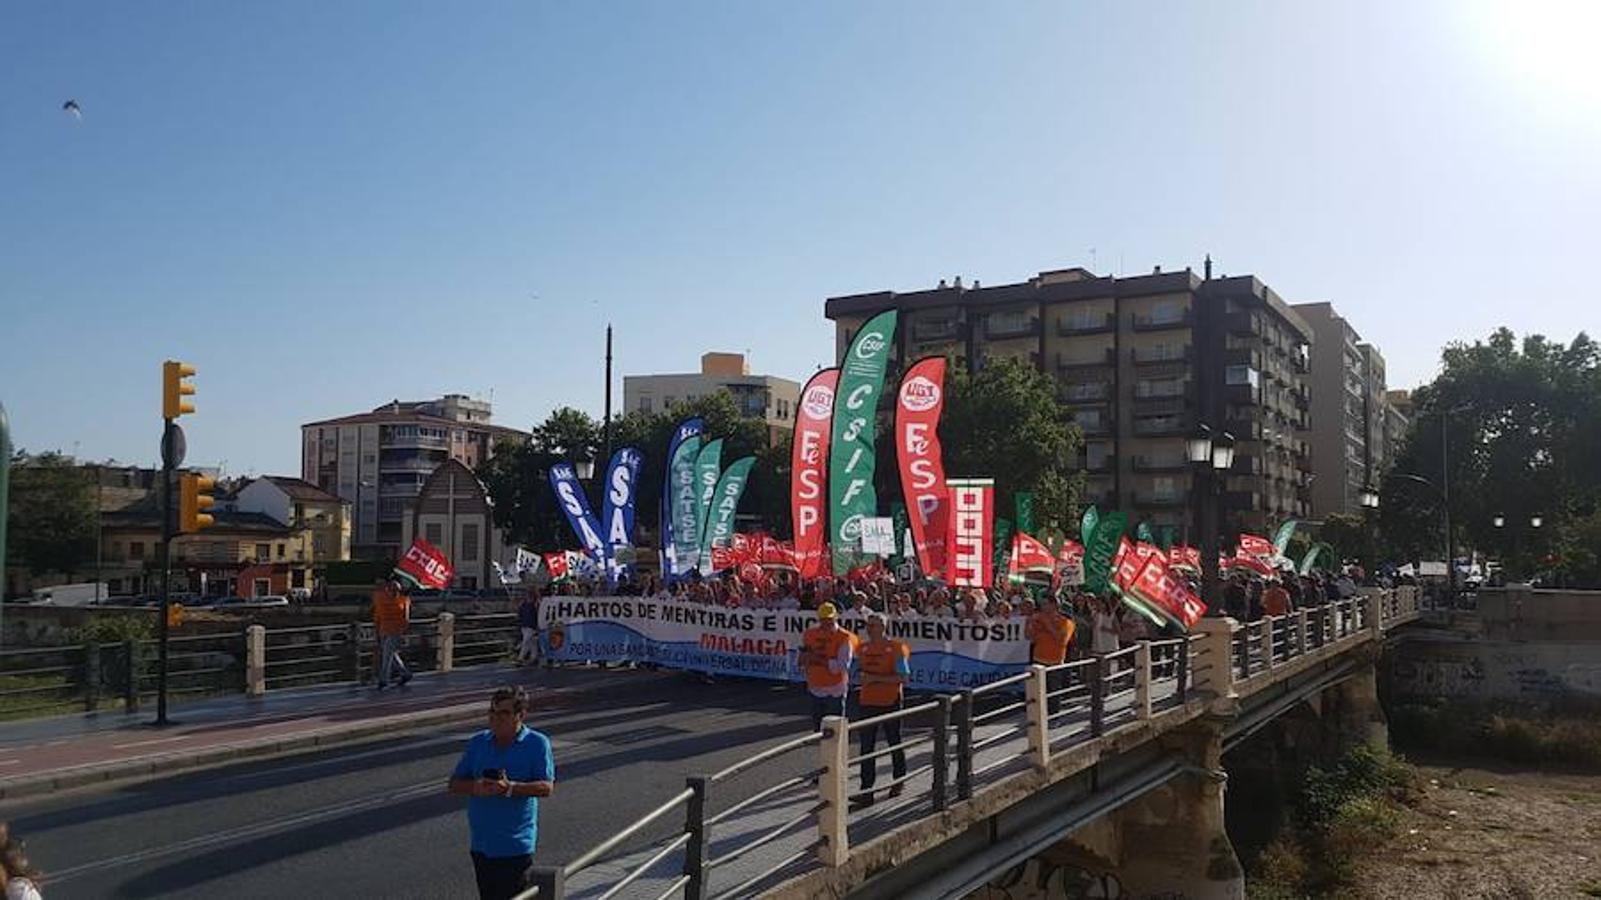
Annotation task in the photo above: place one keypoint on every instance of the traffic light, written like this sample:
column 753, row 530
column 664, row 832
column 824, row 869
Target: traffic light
column 174, row 387
column 194, row 499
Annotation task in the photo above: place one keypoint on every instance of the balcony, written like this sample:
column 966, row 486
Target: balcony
column 1242, row 394
column 1087, row 392
column 1163, row 426
column 1241, row 500
column 1243, row 356
column 935, row 330
column 1107, row 357
column 1101, row 466
column 1098, row 427
column 1244, row 429
column 412, row 464
column 1160, row 464
column 997, row 330
column 1163, row 500
column 1158, row 323
column 1091, row 324
column 1244, row 323
column 1158, row 355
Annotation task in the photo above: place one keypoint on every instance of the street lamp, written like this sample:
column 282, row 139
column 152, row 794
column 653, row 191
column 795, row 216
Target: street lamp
column 585, row 468
column 1499, row 521
column 1536, row 520
column 1210, row 457
column 1368, row 497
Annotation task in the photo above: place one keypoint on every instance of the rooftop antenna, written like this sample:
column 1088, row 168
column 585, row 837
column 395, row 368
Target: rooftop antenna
column 1092, row 259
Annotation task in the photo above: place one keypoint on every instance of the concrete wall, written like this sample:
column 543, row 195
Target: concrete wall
column 1522, row 613
column 1426, row 667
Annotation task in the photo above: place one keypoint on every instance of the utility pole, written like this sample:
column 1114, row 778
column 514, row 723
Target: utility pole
column 1445, row 498
column 605, row 427
column 5, row 505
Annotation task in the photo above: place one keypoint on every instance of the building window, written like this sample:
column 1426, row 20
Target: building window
column 1164, row 488
column 263, row 552
column 281, row 551
column 646, row 405
column 1088, row 419
column 1095, row 456
column 1159, row 387
column 261, row 587
column 668, row 401
column 469, row 542
column 1087, row 390
column 434, row 533
column 1235, row 375
column 136, row 549
column 319, row 544
column 1166, row 314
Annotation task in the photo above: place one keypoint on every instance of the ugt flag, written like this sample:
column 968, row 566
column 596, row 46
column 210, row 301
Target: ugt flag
column 851, row 459
column 917, row 409
column 808, row 470
column 570, row 494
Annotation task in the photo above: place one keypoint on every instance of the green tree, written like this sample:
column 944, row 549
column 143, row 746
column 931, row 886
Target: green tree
column 1004, row 422
column 51, row 522
column 1521, row 425
column 1347, row 535
column 517, row 478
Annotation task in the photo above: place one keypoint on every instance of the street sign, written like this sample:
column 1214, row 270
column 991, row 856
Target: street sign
column 173, row 447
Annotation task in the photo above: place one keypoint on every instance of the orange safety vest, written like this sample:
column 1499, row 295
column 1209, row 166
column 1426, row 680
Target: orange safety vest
column 880, row 658
column 390, row 612
column 1046, row 647
column 823, row 646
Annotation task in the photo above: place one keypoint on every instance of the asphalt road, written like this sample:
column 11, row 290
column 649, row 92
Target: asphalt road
column 374, row 820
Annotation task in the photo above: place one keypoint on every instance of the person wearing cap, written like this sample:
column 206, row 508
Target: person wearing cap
column 885, row 664
column 825, row 657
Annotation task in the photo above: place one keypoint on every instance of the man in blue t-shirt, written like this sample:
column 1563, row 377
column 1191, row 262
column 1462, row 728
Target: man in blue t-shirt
column 503, row 771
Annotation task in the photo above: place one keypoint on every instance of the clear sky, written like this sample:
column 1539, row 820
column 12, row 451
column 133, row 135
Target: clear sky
column 326, row 205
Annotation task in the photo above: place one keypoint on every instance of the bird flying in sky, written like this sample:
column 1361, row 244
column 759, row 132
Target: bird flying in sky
column 71, row 108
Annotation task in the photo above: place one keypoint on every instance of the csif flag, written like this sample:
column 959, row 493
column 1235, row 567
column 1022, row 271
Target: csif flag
column 686, row 506
column 570, row 494
column 851, row 451
column 808, row 470
column 917, row 447
column 1281, row 541
column 1099, row 550
column 724, row 503
column 690, row 427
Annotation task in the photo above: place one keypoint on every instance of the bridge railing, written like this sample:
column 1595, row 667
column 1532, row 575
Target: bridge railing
column 956, row 746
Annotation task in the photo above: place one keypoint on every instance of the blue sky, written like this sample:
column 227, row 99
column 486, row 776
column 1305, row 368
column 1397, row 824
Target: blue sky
column 328, row 205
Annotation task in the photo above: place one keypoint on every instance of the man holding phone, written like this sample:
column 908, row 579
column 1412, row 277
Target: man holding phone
column 503, row 771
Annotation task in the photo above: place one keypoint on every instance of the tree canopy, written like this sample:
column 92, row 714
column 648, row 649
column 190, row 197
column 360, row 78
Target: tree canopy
column 1520, row 423
column 1004, row 422
column 51, row 520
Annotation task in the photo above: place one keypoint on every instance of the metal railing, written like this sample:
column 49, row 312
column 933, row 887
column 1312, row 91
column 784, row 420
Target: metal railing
column 955, row 747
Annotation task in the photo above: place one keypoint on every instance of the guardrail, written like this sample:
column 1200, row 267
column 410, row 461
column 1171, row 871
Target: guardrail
column 47, row 680
column 959, row 745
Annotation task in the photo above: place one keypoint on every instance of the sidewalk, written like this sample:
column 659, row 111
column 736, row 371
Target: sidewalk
column 44, row 755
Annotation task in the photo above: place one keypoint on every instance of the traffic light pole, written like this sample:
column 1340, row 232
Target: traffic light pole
column 169, row 517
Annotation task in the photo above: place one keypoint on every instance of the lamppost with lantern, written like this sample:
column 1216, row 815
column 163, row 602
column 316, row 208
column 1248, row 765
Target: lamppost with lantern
column 1209, row 458
column 1368, row 499
column 1536, row 522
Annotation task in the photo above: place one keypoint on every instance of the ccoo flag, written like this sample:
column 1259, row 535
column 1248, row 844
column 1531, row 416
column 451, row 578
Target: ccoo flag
column 808, row 470
column 690, row 427
column 686, row 506
column 917, row 410
column 725, row 502
column 570, row 494
column 851, row 454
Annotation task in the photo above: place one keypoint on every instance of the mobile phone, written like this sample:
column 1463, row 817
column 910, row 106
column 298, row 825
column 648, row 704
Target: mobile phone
column 494, row 774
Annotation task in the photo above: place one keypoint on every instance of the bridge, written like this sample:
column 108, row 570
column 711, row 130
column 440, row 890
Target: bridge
column 1116, row 757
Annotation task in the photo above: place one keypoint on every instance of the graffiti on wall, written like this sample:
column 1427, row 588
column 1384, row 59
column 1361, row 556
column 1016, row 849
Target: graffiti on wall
column 1040, row 879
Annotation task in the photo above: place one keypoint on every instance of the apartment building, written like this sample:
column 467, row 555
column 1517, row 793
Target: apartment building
column 1353, row 430
column 378, row 461
column 1127, row 354
column 766, row 397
